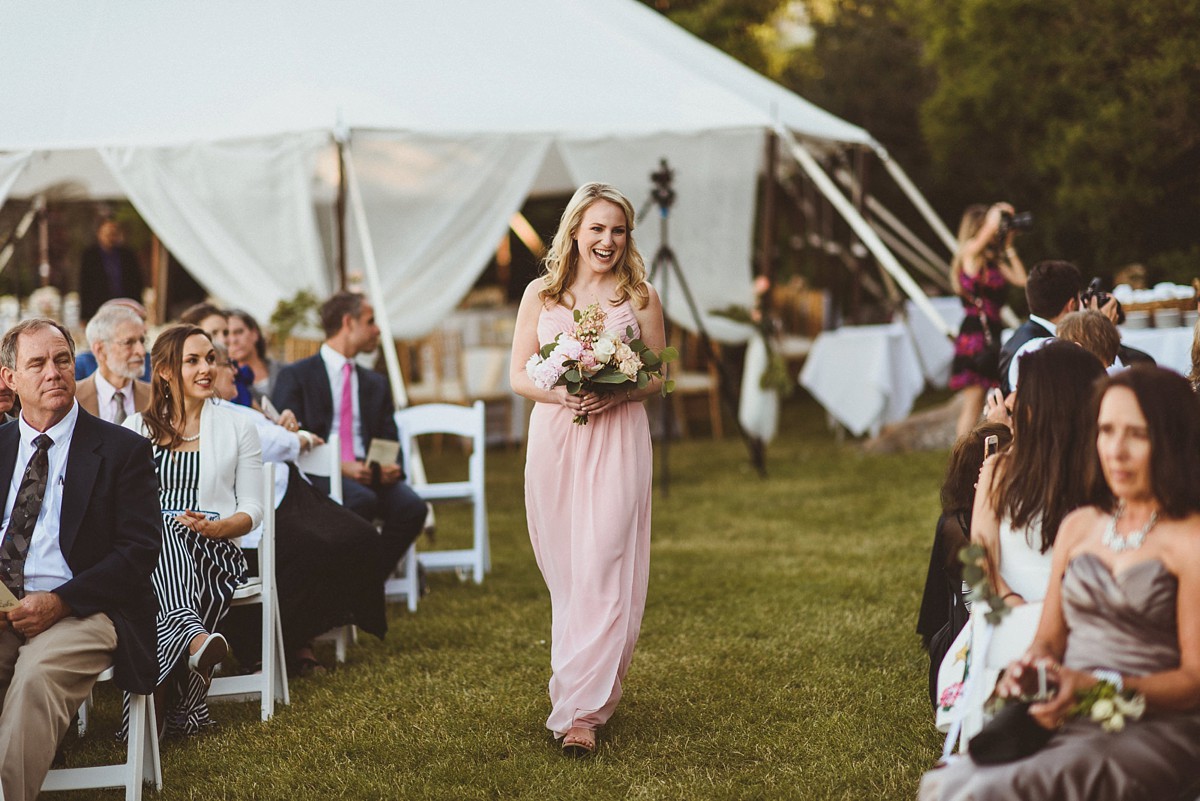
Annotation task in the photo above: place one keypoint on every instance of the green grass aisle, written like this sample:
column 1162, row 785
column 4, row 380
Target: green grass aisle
column 777, row 657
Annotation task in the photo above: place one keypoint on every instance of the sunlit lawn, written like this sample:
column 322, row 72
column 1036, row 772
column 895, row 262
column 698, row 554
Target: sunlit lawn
column 777, row 657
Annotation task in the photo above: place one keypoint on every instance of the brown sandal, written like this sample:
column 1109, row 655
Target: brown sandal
column 579, row 742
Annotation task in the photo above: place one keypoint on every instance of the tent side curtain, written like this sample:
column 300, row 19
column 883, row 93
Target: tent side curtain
column 436, row 208
column 710, row 227
column 239, row 215
column 11, row 165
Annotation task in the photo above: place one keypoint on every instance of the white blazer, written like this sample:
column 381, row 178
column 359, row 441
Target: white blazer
column 230, row 462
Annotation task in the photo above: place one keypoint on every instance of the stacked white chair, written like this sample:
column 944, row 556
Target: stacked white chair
column 326, row 460
column 141, row 765
column 270, row 684
column 462, row 421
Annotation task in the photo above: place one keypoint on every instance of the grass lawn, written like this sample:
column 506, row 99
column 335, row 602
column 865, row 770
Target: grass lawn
column 778, row 657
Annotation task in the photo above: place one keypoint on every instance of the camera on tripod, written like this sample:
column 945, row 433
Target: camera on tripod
column 662, row 192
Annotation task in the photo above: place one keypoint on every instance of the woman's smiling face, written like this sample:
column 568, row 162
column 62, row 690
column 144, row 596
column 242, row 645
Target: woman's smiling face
column 197, row 368
column 602, row 236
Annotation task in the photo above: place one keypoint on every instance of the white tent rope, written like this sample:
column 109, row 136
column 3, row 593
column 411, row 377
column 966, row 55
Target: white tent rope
column 862, row 229
column 902, row 180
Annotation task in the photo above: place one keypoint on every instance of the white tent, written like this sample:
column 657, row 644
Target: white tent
column 220, row 122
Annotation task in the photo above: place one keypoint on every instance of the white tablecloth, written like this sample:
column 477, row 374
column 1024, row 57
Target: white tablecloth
column 1170, row 347
column 865, row 376
column 934, row 349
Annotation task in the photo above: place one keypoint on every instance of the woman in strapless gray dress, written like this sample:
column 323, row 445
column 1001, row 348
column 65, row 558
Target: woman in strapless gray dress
column 1124, row 602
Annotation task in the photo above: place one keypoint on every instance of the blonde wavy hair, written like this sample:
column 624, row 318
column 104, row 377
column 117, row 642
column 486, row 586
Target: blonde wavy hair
column 972, row 221
column 562, row 259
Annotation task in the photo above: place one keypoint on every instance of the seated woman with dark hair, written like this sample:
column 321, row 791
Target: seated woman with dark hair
column 209, row 465
column 1025, row 493
column 1123, row 608
column 944, row 608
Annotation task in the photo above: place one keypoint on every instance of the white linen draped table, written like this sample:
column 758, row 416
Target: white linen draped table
column 935, row 349
column 1170, row 347
column 865, row 376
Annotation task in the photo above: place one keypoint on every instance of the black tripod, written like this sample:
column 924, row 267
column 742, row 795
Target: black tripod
column 663, row 195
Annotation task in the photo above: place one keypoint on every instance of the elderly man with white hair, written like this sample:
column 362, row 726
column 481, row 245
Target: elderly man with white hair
column 117, row 336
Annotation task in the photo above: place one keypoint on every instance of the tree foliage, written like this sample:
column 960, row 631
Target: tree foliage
column 1083, row 112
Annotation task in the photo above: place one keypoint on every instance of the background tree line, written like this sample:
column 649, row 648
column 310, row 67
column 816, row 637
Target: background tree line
column 1085, row 112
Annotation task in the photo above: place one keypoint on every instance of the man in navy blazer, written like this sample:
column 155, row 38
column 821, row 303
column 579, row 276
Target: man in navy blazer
column 86, row 601
column 316, row 388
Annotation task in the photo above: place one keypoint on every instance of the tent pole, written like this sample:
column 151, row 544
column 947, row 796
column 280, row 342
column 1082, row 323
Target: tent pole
column 867, row 234
column 766, row 264
column 375, row 287
column 918, row 200
column 340, row 213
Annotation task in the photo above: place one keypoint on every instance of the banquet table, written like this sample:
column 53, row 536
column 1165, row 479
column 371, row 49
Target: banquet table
column 865, row 376
column 1170, row 347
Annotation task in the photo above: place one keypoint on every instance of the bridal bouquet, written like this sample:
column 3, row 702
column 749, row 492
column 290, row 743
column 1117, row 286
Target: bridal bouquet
column 592, row 358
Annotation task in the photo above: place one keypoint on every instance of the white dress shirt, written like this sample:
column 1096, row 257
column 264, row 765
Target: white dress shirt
column 334, row 362
column 1030, row 346
column 45, row 566
column 104, row 398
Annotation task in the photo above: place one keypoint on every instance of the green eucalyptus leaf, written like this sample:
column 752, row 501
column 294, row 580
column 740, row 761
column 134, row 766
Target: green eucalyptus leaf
column 668, row 387
column 668, row 355
column 573, row 376
column 642, row 380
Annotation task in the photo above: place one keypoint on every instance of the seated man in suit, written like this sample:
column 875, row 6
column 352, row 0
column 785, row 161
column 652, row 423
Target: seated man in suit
column 329, row 393
column 117, row 335
column 1052, row 291
column 81, row 535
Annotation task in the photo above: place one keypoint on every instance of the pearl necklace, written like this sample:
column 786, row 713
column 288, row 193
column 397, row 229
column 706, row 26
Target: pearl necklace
column 190, row 439
column 1130, row 542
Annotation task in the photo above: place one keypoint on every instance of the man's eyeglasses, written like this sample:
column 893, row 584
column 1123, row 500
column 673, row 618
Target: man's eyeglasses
column 129, row 343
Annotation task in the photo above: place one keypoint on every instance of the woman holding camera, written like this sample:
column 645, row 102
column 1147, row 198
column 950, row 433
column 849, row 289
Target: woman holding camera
column 984, row 265
column 1123, row 609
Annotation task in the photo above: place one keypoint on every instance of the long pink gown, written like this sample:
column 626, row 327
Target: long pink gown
column 587, row 499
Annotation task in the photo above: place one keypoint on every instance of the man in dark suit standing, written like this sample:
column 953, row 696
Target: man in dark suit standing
column 82, row 533
column 108, row 270
column 329, row 393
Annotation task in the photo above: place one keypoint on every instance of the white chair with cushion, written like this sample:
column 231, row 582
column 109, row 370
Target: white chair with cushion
column 326, row 460
column 141, row 765
column 271, row 684
column 462, row 421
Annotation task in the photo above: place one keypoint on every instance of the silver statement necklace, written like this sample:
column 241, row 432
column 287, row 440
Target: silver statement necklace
column 1130, row 542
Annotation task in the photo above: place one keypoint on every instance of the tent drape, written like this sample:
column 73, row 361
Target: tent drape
column 711, row 225
column 238, row 214
column 436, row 208
column 11, row 165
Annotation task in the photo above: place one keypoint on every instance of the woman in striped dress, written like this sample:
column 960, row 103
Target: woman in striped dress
column 209, row 463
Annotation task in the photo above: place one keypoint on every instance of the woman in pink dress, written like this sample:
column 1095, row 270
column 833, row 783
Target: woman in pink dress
column 587, row 487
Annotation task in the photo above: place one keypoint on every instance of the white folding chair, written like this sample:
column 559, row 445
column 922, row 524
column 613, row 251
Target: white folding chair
column 270, row 684
column 462, row 421
column 326, row 460
column 142, row 763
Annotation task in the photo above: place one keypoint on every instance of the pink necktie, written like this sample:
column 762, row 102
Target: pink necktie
column 346, row 421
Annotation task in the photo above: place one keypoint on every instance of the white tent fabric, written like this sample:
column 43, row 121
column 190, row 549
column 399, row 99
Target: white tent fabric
column 212, row 117
column 436, row 207
column 11, row 165
column 240, row 214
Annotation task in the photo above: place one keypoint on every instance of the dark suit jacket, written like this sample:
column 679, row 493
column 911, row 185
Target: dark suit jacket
column 1027, row 331
column 89, row 398
column 1132, row 356
column 304, row 388
column 110, row 483
column 93, row 280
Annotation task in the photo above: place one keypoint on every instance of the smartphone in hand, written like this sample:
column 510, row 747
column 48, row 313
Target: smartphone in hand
column 1037, row 685
column 991, row 444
